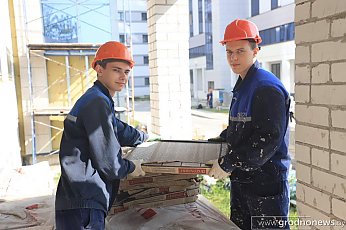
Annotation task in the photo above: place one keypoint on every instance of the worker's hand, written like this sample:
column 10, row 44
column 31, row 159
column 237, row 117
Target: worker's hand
column 216, row 171
column 217, row 139
column 138, row 169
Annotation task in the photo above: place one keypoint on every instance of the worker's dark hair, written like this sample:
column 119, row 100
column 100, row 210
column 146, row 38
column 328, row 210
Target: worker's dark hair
column 104, row 62
column 253, row 43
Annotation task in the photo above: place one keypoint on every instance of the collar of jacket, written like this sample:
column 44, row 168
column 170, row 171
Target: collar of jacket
column 104, row 90
column 248, row 76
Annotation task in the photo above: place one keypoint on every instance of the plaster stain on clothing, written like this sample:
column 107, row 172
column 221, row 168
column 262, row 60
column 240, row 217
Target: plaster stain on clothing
column 261, row 153
column 263, row 139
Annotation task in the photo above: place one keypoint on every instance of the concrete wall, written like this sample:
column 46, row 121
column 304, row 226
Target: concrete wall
column 321, row 109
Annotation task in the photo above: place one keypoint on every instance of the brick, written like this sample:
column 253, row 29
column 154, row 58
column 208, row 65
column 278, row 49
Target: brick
column 311, row 32
column 311, row 214
column 338, row 72
column 339, row 208
column 303, row 173
column 328, row 182
column 302, row 12
column 160, row 9
column 317, row 199
column 328, row 51
column 320, row 73
column 300, row 191
column 302, row 153
column 302, row 74
column 323, row 8
column 302, row 93
column 338, row 28
column 312, row 114
column 338, row 140
column 313, row 136
column 300, row 1
column 338, row 118
column 320, row 158
column 338, row 163
column 328, row 94
column 302, row 54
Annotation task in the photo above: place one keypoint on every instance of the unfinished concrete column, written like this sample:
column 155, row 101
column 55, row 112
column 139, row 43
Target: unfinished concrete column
column 168, row 30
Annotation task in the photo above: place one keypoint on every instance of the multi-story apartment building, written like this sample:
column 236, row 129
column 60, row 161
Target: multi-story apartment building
column 133, row 31
column 208, row 65
column 278, row 47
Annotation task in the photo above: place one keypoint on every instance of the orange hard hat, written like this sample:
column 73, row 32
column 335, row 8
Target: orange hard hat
column 113, row 50
column 241, row 30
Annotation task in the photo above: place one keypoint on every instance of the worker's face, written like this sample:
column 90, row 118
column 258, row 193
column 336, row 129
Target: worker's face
column 240, row 56
column 114, row 76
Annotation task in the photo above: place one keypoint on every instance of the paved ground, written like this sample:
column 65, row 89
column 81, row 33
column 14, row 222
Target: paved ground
column 205, row 124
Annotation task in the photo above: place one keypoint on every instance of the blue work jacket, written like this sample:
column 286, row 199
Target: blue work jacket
column 257, row 135
column 90, row 152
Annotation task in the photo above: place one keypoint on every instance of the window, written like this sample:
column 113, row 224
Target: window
column 145, row 38
column 144, row 16
column 278, row 34
column 122, row 38
column 200, row 17
column 210, row 84
column 275, row 4
column 190, row 18
column 146, row 81
column 121, row 16
column 199, row 79
column 254, row 7
column 208, row 34
column 141, row 59
column 145, row 60
column 191, row 76
column 276, row 68
column 197, row 51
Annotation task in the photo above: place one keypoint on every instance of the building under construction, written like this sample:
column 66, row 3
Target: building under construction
column 58, row 41
column 41, row 80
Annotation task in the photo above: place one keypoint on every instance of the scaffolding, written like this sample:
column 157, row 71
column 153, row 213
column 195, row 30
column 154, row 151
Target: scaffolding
column 66, row 50
column 55, row 111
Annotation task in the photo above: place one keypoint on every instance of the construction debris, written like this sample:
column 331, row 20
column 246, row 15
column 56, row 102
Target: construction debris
column 26, row 197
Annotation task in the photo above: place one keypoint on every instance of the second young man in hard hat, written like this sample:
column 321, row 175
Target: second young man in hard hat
column 90, row 150
column 257, row 137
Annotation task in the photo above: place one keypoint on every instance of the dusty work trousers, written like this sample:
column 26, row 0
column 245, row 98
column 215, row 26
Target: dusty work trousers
column 80, row 219
column 255, row 206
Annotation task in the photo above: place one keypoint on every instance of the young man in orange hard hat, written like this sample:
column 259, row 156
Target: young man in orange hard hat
column 90, row 149
column 258, row 160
